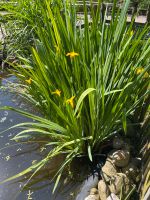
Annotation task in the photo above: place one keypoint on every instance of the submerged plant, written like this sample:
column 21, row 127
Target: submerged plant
column 85, row 81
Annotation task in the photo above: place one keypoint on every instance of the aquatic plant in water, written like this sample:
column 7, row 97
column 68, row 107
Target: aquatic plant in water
column 85, row 80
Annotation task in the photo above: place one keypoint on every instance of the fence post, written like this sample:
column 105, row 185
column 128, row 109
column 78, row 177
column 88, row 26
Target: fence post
column 135, row 8
column 148, row 15
column 103, row 9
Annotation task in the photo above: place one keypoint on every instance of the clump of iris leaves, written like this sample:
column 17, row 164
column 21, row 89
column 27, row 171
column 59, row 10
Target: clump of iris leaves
column 85, row 80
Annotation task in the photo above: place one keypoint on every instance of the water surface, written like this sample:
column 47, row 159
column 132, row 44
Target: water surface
column 16, row 157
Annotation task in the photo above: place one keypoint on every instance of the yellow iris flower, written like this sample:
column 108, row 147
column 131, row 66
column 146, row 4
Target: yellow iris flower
column 71, row 101
column 140, row 70
column 29, row 81
column 72, row 54
column 131, row 33
column 57, row 92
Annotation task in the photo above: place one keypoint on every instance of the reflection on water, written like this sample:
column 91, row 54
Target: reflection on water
column 16, row 157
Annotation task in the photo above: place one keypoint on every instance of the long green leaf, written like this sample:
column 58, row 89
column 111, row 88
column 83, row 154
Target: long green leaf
column 81, row 98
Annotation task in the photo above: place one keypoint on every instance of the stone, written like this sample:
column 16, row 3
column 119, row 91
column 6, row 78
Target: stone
column 103, row 190
column 119, row 182
column 120, row 157
column 92, row 197
column 94, row 191
column 112, row 196
column 118, row 142
column 108, row 170
column 94, row 194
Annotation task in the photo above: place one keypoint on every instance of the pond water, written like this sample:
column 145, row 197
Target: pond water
column 16, row 157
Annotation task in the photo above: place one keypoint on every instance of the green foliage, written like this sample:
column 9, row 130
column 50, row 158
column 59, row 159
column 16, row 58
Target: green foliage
column 20, row 23
column 19, row 30
column 85, row 81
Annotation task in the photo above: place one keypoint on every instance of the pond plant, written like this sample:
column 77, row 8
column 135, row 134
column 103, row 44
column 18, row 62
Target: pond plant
column 85, row 80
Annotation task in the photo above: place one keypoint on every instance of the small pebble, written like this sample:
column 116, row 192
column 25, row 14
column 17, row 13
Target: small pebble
column 94, row 195
column 112, row 196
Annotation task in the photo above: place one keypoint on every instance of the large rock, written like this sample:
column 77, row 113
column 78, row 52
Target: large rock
column 119, row 182
column 103, row 190
column 120, row 157
column 108, row 170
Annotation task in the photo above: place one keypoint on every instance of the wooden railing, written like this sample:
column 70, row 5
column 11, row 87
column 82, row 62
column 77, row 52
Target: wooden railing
column 142, row 15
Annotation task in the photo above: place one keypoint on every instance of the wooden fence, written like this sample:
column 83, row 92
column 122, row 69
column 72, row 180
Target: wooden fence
column 142, row 16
